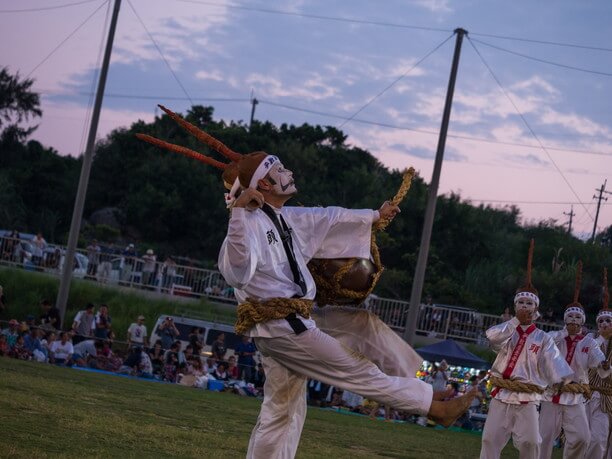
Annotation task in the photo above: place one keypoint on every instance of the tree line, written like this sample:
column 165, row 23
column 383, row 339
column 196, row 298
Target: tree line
column 175, row 205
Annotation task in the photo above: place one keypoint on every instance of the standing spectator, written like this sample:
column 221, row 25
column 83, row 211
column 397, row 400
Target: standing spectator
column 102, row 322
column 50, row 317
column 148, row 269
column 168, row 333
column 61, row 350
column 39, row 244
column 137, row 333
column 169, row 273
column 129, row 259
column 84, row 324
column 246, row 362
column 93, row 259
column 105, row 267
column 12, row 332
column 439, row 376
column 218, row 348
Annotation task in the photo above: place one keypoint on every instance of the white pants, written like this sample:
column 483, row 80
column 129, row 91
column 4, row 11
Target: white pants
column 600, row 428
column 573, row 420
column 505, row 420
column 289, row 360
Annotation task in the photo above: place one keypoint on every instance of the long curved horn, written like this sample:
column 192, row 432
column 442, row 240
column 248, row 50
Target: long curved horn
column 203, row 136
column 183, row 151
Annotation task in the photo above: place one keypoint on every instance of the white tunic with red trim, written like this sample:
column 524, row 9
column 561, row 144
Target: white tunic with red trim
column 525, row 354
column 581, row 353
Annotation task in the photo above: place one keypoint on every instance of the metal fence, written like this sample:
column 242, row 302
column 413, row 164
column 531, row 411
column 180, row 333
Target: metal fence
column 437, row 321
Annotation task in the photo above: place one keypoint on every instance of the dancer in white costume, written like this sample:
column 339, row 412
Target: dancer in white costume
column 566, row 410
column 264, row 258
column 527, row 362
column 599, row 407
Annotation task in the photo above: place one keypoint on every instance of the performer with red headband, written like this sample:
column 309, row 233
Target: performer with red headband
column 599, row 407
column 527, row 362
column 566, row 410
column 264, row 258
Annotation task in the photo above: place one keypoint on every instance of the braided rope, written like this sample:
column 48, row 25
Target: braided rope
column 577, row 388
column 252, row 312
column 516, row 386
column 330, row 291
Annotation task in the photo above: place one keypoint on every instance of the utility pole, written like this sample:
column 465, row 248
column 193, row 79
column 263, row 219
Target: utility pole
column 430, row 210
column 254, row 102
column 571, row 215
column 599, row 198
column 79, row 203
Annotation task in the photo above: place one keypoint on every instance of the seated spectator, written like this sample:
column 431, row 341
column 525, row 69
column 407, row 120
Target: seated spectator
column 50, row 316
column 220, row 373
column 188, row 353
column 232, row 368
column 145, row 367
column 196, row 339
column 260, row 376
column 86, row 351
column 47, row 341
column 34, row 346
column 61, row 350
column 549, row 316
column 11, row 333
column 200, row 373
column 132, row 362
column 29, row 323
column 218, row 348
column 156, row 354
column 170, row 366
column 19, row 350
column 4, row 347
column 211, row 365
column 2, row 301
column 168, row 333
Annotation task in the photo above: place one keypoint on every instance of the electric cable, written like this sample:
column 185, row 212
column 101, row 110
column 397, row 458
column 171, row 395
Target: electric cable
column 47, row 8
column 528, row 126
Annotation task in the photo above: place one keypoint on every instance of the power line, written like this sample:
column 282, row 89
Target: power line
column 147, row 97
column 47, row 8
column 501, row 201
column 388, row 24
column 528, row 126
column 160, row 52
column 544, row 61
column 67, row 38
column 424, row 131
column 389, row 86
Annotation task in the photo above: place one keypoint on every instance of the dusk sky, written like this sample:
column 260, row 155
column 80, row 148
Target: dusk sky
column 531, row 121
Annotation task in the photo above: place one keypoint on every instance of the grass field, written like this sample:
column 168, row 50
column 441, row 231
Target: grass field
column 48, row 411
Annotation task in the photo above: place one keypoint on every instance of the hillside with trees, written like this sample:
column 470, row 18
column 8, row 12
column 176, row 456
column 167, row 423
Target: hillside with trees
column 176, row 205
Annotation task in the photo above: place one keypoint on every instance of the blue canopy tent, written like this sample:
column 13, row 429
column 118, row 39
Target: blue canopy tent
column 453, row 353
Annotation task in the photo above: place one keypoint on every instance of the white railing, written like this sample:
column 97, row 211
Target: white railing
column 439, row 321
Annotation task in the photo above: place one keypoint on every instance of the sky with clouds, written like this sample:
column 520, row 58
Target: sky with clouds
column 522, row 129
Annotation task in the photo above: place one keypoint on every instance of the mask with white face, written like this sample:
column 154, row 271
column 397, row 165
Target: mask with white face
column 524, row 303
column 574, row 315
column 604, row 323
column 282, row 180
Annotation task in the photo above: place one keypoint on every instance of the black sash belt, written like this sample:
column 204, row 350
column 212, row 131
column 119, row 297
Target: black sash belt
column 285, row 234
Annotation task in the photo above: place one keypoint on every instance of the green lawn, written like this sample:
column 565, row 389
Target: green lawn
column 47, row 411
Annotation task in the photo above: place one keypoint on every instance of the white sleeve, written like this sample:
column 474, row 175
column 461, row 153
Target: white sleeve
column 332, row 232
column 498, row 335
column 240, row 249
column 558, row 335
column 77, row 318
column 595, row 354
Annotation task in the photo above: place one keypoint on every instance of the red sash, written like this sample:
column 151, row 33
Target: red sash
column 523, row 335
column 571, row 349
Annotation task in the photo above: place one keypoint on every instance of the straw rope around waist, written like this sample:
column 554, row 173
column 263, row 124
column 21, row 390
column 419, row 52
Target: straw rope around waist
column 252, row 312
column 516, row 386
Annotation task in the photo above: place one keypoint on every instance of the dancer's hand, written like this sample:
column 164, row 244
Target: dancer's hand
column 388, row 211
column 250, row 199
